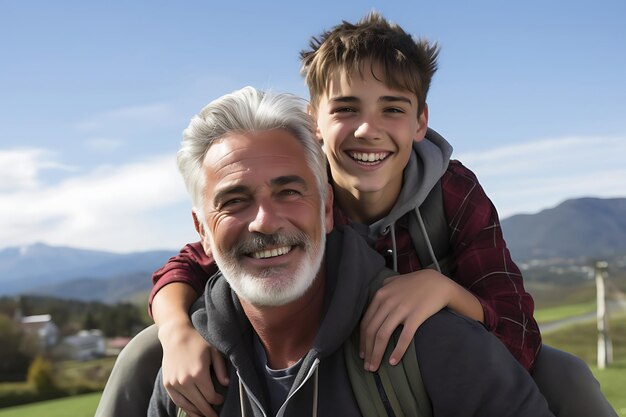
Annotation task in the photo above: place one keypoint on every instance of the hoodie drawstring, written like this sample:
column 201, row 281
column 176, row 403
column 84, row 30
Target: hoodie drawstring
column 427, row 239
column 315, row 392
column 393, row 246
column 431, row 252
column 242, row 399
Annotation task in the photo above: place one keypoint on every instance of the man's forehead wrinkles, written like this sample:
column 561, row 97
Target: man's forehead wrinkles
column 233, row 157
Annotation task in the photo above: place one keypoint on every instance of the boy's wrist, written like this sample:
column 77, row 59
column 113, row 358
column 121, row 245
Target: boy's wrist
column 174, row 327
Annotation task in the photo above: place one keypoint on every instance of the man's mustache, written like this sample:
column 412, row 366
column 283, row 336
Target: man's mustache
column 256, row 242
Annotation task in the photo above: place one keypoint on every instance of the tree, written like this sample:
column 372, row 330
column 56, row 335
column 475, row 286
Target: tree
column 40, row 376
column 17, row 350
column 90, row 322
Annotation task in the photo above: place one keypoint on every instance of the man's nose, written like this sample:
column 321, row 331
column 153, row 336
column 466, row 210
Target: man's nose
column 266, row 220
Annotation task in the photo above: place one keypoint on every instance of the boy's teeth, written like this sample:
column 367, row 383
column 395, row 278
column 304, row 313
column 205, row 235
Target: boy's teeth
column 368, row 157
column 270, row 253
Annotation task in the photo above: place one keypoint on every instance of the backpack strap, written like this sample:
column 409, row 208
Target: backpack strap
column 437, row 232
column 392, row 390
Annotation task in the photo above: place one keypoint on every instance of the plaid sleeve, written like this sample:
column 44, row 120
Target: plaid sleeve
column 191, row 266
column 482, row 264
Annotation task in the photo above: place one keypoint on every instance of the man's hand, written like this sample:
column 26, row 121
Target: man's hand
column 409, row 300
column 187, row 359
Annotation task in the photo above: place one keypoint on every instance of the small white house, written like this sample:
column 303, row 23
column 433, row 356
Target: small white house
column 84, row 345
column 43, row 327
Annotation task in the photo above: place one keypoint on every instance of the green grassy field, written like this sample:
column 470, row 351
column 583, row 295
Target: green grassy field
column 550, row 314
column 76, row 406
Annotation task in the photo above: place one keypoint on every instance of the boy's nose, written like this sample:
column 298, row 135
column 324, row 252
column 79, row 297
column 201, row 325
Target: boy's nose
column 367, row 130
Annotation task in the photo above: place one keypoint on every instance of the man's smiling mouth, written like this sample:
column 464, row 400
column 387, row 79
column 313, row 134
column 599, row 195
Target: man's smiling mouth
column 271, row 253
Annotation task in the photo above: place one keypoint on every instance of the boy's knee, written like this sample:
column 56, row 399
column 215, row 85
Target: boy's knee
column 128, row 389
column 144, row 348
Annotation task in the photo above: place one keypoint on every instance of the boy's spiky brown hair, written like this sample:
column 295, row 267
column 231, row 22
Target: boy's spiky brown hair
column 406, row 63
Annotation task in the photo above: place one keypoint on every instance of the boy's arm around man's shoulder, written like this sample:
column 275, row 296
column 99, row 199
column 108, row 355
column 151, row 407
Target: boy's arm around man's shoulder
column 191, row 266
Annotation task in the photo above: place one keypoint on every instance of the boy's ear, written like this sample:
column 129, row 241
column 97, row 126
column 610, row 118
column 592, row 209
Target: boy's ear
column 311, row 111
column 422, row 124
column 204, row 238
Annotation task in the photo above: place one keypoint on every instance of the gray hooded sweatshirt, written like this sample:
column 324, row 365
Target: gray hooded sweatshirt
column 427, row 164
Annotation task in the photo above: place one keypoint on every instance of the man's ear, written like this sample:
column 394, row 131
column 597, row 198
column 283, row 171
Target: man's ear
column 204, row 238
column 422, row 124
column 328, row 209
column 313, row 113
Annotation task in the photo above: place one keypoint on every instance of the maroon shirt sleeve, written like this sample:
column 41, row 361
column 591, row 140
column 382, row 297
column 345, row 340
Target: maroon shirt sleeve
column 482, row 264
column 191, row 266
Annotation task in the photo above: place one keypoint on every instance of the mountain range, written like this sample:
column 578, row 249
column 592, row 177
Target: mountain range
column 76, row 273
column 582, row 229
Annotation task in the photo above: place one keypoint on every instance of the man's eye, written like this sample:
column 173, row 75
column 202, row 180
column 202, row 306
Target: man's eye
column 290, row 192
column 232, row 202
column 394, row 110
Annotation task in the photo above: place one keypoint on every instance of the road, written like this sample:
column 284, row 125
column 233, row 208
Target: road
column 613, row 306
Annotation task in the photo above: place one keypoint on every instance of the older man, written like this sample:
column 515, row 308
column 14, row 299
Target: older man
column 292, row 290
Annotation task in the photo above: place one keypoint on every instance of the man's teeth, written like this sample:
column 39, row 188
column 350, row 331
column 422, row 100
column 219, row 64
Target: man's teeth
column 270, row 253
column 368, row 157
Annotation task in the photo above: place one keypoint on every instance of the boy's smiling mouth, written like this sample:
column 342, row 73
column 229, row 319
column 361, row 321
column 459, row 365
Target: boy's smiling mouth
column 368, row 157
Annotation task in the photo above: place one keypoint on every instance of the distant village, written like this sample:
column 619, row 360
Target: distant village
column 84, row 345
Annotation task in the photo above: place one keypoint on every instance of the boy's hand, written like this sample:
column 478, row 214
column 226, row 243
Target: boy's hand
column 187, row 359
column 409, row 300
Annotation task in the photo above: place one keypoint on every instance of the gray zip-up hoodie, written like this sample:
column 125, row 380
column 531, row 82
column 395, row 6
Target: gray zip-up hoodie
column 350, row 266
column 322, row 386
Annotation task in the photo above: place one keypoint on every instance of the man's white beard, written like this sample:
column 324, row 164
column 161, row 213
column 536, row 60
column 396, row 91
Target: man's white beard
column 271, row 287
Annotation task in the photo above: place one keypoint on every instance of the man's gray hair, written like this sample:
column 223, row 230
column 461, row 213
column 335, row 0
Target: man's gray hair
column 243, row 111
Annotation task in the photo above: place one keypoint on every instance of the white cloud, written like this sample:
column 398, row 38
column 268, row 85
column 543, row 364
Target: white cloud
column 138, row 206
column 20, row 168
column 536, row 175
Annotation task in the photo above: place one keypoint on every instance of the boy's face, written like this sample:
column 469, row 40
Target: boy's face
column 368, row 129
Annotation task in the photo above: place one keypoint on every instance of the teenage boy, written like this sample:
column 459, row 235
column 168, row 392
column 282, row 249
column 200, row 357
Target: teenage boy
column 368, row 84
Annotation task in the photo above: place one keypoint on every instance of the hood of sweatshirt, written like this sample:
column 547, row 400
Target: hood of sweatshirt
column 428, row 162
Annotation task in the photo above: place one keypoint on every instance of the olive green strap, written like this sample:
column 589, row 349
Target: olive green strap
column 401, row 385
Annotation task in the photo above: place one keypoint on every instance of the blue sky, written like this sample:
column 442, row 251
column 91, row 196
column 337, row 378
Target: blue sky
column 94, row 96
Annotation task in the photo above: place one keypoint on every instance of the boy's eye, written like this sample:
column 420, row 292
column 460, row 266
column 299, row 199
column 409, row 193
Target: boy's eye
column 394, row 110
column 344, row 110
